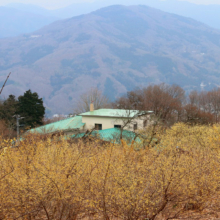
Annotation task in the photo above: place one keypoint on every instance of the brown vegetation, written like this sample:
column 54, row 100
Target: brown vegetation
column 5, row 131
column 171, row 105
column 57, row 179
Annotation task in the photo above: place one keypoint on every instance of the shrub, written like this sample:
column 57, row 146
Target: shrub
column 59, row 179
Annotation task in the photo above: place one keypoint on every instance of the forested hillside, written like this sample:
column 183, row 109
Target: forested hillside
column 115, row 49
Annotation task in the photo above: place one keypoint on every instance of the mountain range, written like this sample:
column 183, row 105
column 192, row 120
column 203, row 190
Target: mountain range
column 116, row 49
column 17, row 18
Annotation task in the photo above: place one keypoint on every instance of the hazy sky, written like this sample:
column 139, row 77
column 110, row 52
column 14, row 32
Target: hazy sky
column 53, row 4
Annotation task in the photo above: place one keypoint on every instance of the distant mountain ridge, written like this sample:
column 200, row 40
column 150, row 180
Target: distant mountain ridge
column 17, row 19
column 208, row 14
column 116, row 49
column 14, row 22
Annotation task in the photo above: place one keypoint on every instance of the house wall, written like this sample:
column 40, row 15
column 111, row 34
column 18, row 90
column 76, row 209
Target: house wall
column 109, row 122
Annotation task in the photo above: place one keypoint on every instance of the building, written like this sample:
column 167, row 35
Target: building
column 113, row 135
column 67, row 126
column 101, row 119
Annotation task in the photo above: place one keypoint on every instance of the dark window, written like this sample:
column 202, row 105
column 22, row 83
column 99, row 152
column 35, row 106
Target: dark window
column 117, row 126
column 135, row 126
column 98, row 126
column 145, row 123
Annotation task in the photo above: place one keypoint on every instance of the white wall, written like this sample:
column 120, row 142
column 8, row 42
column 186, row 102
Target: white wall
column 108, row 122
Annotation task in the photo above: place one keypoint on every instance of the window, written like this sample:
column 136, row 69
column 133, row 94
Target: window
column 117, row 126
column 135, row 127
column 145, row 123
column 98, row 126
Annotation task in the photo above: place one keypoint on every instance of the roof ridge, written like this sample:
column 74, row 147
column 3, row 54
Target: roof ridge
column 56, row 121
column 65, row 119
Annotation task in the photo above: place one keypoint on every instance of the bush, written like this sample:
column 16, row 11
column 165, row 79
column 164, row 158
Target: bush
column 58, row 179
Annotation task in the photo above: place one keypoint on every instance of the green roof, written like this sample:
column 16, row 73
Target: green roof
column 66, row 124
column 111, row 135
column 121, row 113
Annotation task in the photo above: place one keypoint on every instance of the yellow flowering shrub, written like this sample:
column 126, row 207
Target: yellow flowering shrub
column 56, row 178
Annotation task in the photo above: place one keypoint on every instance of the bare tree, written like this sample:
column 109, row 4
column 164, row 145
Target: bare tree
column 194, row 98
column 93, row 95
column 132, row 100
column 207, row 102
column 169, row 104
column 193, row 115
column 214, row 102
column 165, row 101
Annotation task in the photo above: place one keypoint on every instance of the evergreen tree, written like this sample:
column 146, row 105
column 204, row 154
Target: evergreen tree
column 8, row 108
column 31, row 107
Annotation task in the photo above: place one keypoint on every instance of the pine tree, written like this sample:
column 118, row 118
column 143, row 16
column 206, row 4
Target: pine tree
column 31, row 107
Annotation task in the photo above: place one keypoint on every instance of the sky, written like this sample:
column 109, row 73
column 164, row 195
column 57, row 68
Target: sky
column 54, row 4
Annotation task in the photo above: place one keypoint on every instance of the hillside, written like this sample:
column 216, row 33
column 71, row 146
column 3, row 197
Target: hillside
column 116, row 49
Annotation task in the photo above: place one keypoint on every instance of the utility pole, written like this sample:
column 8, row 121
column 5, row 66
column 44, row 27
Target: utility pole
column 18, row 117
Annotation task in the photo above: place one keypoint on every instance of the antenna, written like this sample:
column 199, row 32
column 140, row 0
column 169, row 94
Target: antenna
column 5, row 83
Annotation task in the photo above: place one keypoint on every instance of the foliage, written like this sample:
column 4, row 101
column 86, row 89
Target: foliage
column 8, row 109
column 31, row 107
column 28, row 105
column 57, row 178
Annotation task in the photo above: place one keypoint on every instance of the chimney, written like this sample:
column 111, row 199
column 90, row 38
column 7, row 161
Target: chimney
column 91, row 107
